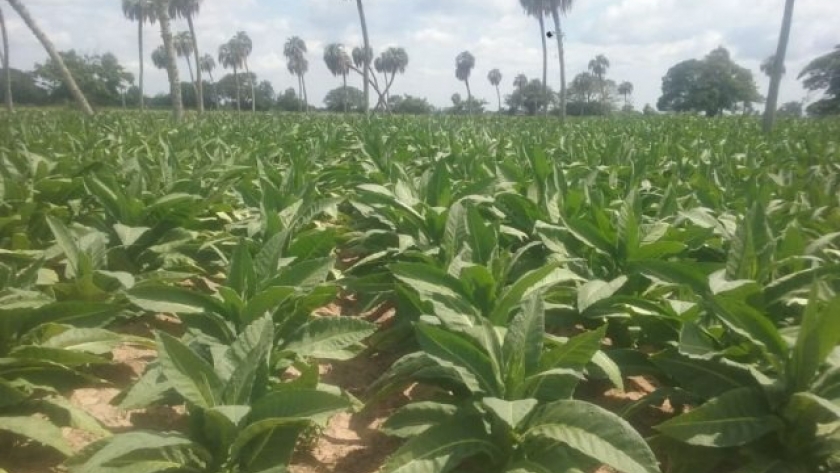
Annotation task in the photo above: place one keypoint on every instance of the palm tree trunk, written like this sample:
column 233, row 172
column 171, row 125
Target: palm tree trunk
column 499, row 98
column 305, row 96
column 199, row 84
column 171, row 64
column 7, row 71
column 238, row 93
column 469, row 97
column 253, row 94
column 21, row 10
column 545, row 58
column 344, row 93
column 213, row 86
column 558, row 33
column 367, row 48
column 192, row 77
column 140, row 48
column 300, row 94
column 778, row 67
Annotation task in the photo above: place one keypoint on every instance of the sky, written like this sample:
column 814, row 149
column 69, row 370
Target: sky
column 641, row 38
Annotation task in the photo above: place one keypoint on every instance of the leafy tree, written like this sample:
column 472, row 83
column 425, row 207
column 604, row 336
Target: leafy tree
column 229, row 89
column 823, row 73
column 558, row 7
column 409, row 105
column 778, row 61
column 7, row 71
column 345, row 99
column 233, row 55
column 171, row 66
column 599, row 67
column 159, row 58
column 538, row 9
column 23, row 12
column 464, row 64
column 338, row 62
column 184, row 48
column 289, row 101
column 243, row 47
column 141, row 11
column 392, row 61
column 24, row 88
column 101, row 78
column 298, row 65
column 469, row 106
column 625, row 89
column 495, row 78
column 187, row 9
column 709, row 85
column 207, row 64
column 531, row 98
column 649, row 110
column 791, row 109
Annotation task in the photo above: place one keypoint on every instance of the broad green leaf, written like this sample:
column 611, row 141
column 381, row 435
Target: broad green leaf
column 305, row 274
column 819, row 334
column 428, row 280
column 191, row 376
column 523, row 344
column 329, row 337
column 590, row 235
column 415, row 418
column 705, row 378
column 37, row 429
column 531, row 282
column 512, row 413
column 241, row 275
column 732, row 419
column 481, row 237
column 172, row 300
column 596, row 291
column 575, row 353
column 68, row 244
column 462, row 353
column 246, row 361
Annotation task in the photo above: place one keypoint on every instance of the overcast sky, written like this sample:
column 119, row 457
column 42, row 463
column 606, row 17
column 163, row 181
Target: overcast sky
column 641, row 38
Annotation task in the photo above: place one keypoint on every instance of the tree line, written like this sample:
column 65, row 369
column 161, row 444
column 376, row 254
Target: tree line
column 710, row 85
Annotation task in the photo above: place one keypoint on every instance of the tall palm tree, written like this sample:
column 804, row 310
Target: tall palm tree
column 392, row 61
column 625, row 89
column 538, row 9
column 188, row 9
column 464, row 64
column 557, row 7
column 366, row 39
column 141, row 11
column 171, row 64
column 295, row 51
column 362, row 58
column 230, row 59
column 184, row 48
column 7, row 71
column 23, row 12
column 778, row 68
column 159, row 58
column 599, row 67
column 495, row 78
column 207, row 64
column 243, row 46
column 338, row 62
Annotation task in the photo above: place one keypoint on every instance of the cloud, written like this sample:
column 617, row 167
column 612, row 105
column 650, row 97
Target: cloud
column 642, row 38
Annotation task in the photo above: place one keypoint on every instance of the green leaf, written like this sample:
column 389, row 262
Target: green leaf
column 305, row 274
column 594, row 432
column 481, row 237
column 191, row 376
column 124, row 445
column 577, row 352
column 705, row 378
column 590, row 235
column 523, row 344
column 246, row 361
column 415, row 418
column 596, row 291
column 732, row 419
column 173, row 300
column 819, row 334
column 512, row 413
column 37, row 429
column 460, row 352
column 428, row 280
column 531, row 282
column 684, row 273
column 241, row 275
column 68, row 244
column 329, row 337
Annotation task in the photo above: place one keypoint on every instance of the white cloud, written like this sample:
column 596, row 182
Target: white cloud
column 642, row 38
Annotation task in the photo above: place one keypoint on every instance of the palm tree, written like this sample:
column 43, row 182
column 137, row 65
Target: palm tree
column 207, row 64
column 141, row 11
column 243, row 45
column 171, row 64
column 7, row 71
column 338, row 62
column 464, row 64
column 159, row 58
column 184, row 48
column 538, row 9
column 625, row 89
column 230, row 59
column 188, row 9
column 599, row 67
column 366, row 39
column 392, row 61
column 495, row 78
column 23, row 12
column 778, row 68
column 557, row 7
column 295, row 51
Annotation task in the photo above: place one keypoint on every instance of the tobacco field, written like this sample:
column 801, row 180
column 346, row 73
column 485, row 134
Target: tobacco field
column 489, row 295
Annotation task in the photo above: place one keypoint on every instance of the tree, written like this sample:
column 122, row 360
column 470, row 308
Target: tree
column 24, row 88
column 141, row 11
column 625, row 89
column 768, row 66
column 531, row 97
column 345, row 99
column 791, row 109
column 338, row 62
column 366, row 39
column 207, row 64
column 265, row 96
column 710, row 85
column 289, row 101
column 409, row 105
column 464, row 64
column 461, row 106
column 27, row 18
column 187, row 9
column 102, row 79
column 392, row 61
column 495, row 78
column 7, row 71
column 171, row 65
column 184, row 48
column 599, row 67
column 778, row 68
column 159, row 58
column 234, row 55
column 538, row 9
column 558, row 7
column 582, row 94
column 295, row 52
column 243, row 46
column 823, row 73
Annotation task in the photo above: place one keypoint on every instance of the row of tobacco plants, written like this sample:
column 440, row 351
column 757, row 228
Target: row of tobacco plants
column 524, row 260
